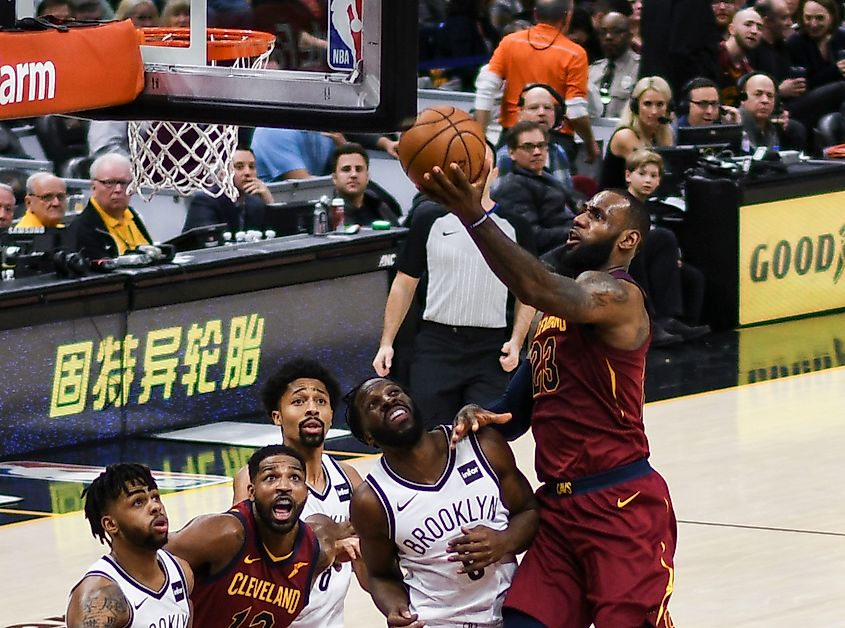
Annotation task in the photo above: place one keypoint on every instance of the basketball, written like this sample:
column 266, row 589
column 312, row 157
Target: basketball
column 442, row 135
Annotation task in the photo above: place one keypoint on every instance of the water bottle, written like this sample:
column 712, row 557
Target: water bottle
column 338, row 214
column 320, row 219
column 746, row 143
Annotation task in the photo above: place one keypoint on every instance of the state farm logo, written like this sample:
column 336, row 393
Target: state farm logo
column 27, row 81
column 819, row 254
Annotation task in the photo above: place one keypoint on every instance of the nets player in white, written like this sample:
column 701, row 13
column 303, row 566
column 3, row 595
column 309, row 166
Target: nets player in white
column 300, row 398
column 439, row 527
column 137, row 584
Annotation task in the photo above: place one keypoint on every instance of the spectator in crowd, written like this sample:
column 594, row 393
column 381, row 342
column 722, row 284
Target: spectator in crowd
column 700, row 105
column 107, row 227
column 16, row 180
column 763, row 121
column 645, row 121
column 59, row 9
column 7, row 205
column 542, row 104
column 247, row 212
column 502, row 13
column 350, row 165
column 805, row 104
column 530, row 191
column 91, row 10
column 724, row 11
column 141, row 12
column 634, row 21
column 459, row 356
column 176, row 13
column 293, row 154
column 582, row 31
column 745, row 35
column 680, row 41
column 540, row 54
column 658, row 267
column 46, row 201
column 820, row 42
column 612, row 78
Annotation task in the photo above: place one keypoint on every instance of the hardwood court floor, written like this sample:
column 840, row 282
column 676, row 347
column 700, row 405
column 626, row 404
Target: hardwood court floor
column 755, row 473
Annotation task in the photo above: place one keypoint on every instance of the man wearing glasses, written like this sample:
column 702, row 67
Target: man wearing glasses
column 7, row 205
column 613, row 77
column 701, row 96
column 108, row 227
column 46, row 201
column 530, row 191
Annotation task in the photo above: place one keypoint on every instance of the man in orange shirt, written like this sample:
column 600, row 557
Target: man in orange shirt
column 540, row 54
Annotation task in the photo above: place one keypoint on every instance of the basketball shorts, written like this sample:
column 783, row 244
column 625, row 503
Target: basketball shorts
column 604, row 557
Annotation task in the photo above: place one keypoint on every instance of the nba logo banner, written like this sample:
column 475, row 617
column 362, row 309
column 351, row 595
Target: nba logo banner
column 345, row 28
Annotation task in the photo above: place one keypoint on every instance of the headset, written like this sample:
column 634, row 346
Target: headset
column 634, row 103
column 742, row 84
column 560, row 103
column 696, row 83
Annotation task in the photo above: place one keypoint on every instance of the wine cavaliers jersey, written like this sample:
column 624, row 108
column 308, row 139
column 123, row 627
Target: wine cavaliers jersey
column 423, row 518
column 255, row 588
column 588, row 400
column 166, row 607
column 325, row 608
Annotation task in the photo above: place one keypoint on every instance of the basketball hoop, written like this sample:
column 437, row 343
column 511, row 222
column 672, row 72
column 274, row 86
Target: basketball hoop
column 188, row 156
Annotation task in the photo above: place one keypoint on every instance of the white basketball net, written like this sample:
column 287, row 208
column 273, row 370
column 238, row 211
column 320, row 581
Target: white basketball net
column 187, row 156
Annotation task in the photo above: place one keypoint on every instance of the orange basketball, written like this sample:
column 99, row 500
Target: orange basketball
column 442, row 135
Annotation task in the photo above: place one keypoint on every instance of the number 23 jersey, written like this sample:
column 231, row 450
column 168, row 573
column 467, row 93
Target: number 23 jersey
column 422, row 519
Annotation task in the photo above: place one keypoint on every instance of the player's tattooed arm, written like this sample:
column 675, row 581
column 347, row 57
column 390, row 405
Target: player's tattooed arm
column 98, row 603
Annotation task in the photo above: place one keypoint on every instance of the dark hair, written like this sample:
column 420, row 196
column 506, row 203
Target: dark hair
column 832, row 8
column 697, row 83
column 638, row 216
column 272, row 450
column 350, row 148
column 298, row 368
column 49, row 5
column 522, row 127
column 353, row 417
column 551, row 11
column 107, row 487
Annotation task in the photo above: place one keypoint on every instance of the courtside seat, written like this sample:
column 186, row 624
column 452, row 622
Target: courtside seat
column 62, row 138
column 830, row 130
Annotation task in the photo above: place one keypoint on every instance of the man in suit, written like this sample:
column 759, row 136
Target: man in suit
column 107, row 227
column 247, row 212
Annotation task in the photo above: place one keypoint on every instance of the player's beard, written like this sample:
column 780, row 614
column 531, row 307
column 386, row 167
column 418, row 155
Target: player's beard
column 312, row 441
column 410, row 435
column 571, row 262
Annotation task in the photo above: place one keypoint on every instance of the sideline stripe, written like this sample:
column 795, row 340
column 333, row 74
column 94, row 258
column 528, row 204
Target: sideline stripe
column 37, row 513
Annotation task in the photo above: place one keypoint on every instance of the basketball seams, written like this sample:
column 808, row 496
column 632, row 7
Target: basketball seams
column 439, row 145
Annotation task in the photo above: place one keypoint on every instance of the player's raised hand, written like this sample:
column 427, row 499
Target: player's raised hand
column 472, row 418
column 477, row 548
column 451, row 188
column 403, row 617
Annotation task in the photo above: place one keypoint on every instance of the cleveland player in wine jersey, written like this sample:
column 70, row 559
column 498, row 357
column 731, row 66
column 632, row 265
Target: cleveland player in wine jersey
column 255, row 564
column 439, row 528
column 300, row 397
column 604, row 553
column 137, row 584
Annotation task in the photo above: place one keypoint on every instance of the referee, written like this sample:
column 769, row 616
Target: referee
column 462, row 351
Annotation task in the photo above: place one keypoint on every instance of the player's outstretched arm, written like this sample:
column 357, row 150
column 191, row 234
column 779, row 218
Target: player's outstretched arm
column 209, row 542
column 385, row 578
column 482, row 546
column 97, row 602
column 594, row 300
column 240, row 485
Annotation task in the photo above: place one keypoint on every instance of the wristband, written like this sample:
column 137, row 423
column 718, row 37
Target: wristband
column 479, row 221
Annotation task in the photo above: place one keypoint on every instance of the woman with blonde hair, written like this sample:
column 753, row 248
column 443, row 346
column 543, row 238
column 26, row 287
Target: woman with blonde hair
column 176, row 13
column 645, row 121
column 141, row 12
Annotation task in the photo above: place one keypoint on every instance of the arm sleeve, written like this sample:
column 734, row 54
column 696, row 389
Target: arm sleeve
column 488, row 85
column 518, row 401
column 413, row 260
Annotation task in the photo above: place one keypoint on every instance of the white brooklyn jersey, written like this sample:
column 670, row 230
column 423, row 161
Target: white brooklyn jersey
column 325, row 606
column 166, row 607
column 422, row 519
